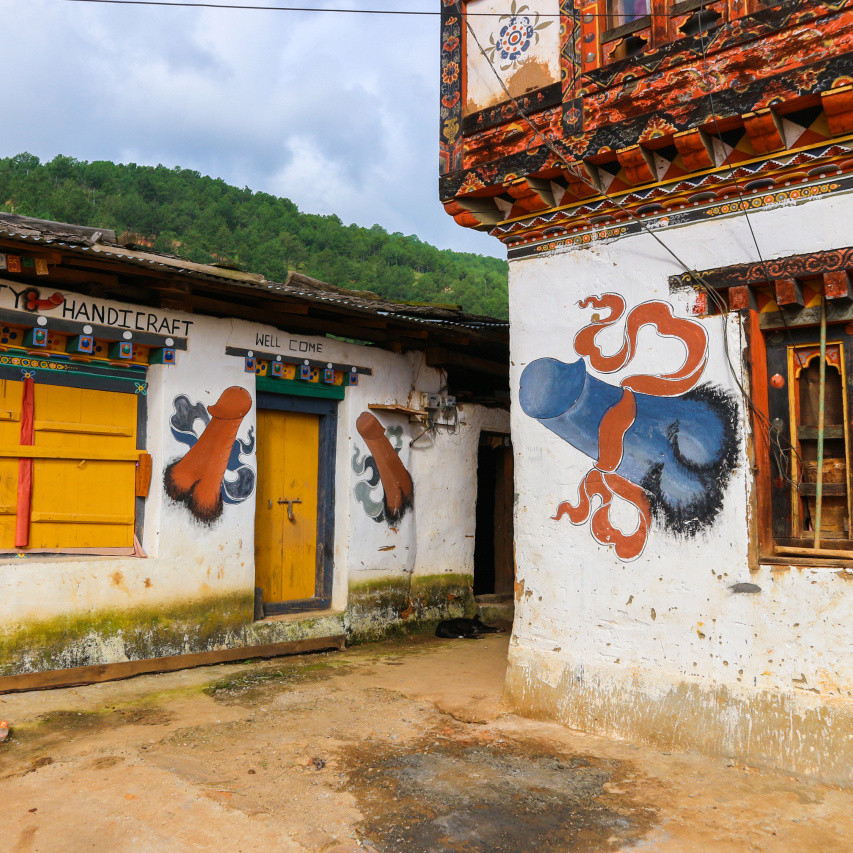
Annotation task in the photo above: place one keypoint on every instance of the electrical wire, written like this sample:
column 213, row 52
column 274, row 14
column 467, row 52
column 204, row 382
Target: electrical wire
column 185, row 4
column 772, row 432
column 711, row 292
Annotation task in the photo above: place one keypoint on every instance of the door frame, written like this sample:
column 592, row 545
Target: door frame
column 500, row 556
column 328, row 413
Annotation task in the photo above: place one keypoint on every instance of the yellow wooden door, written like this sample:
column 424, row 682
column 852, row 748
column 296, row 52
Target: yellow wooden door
column 286, row 548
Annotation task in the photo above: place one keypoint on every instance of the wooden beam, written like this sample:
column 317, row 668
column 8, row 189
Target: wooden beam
column 78, row 675
column 638, row 164
column 813, row 552
column 93, row 261
column 442, row 357
column 837, row 103
column 52, row 256
column 741, row 297
column 695, row 149
column 351, row 329
column 788, row 292
column 70, row 276
column 764, row 129
column 836, row 312
column 836, row 285
column 228, row 308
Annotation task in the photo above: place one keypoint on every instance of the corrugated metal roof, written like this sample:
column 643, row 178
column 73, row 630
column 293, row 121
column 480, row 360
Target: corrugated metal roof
column 100, row 243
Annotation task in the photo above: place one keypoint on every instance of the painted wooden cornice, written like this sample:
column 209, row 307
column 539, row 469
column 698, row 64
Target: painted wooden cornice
column 765, row 106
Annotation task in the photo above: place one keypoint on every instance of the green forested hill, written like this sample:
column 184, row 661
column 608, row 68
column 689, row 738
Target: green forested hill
column 204, row 219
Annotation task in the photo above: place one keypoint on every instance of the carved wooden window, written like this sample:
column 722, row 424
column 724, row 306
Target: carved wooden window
column 785, row 303
column 613, row 30
column 794, row 432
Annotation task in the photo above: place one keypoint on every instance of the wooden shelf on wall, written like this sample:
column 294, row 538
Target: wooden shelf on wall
column 397, row 409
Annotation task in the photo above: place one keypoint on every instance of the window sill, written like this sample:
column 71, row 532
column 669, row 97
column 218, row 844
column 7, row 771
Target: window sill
column 67, row 553
column 781, row 561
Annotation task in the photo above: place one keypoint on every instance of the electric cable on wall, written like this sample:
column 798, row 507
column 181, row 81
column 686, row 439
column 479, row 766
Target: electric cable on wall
column 710, row 291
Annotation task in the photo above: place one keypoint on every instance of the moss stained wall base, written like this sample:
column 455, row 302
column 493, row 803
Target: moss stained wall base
column 115, row 636
column 376, row 609
column 406, row 604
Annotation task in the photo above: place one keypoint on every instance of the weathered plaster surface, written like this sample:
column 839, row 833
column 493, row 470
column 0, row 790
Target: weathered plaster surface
column 533, row 68
column 661, row 647
column 406, row 605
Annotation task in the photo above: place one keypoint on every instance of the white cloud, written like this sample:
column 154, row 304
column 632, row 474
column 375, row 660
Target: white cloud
column 337, row 112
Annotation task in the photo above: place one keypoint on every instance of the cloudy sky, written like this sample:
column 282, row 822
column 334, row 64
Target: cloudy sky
column 337, row 112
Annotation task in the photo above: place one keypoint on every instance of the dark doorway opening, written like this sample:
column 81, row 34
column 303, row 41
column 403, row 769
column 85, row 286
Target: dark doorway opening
column 494, row 562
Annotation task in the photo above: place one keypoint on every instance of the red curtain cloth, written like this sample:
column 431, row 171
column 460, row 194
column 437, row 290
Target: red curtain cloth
column 25, row 468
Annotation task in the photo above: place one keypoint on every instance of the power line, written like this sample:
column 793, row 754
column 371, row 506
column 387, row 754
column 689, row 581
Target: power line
column 712, row 294
column 186, row 4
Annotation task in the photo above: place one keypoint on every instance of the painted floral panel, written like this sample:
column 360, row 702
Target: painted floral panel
column 512, row 49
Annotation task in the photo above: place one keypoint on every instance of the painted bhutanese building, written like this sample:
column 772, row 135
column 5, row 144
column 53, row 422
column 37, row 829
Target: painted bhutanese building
column 672, row 185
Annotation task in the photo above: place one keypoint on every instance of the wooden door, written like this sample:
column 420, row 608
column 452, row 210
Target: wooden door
column 504, row 547
column 286, row 542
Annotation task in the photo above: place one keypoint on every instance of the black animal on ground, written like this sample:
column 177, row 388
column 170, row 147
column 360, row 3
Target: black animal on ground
column 464, row 628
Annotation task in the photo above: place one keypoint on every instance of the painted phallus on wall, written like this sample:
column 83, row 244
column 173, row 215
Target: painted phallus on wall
column 382, row 465
column 661, row 442
column 199, row 479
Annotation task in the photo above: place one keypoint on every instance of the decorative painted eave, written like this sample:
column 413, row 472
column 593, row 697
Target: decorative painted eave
column 673, row 173
column 474, row 349
column 649, row 120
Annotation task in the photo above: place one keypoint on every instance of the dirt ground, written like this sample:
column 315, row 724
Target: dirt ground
column 399, row 746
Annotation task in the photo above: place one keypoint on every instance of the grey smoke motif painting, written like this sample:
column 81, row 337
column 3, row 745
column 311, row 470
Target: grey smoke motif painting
column 381, row 471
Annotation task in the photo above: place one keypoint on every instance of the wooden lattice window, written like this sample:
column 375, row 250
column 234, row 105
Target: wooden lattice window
column 804, row 459
column 804, row 405
column 612, row 30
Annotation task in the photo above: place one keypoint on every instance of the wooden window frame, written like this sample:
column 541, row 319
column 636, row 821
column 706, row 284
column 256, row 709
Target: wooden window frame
column 777, row 506
column 786, row 306
column 602, row 44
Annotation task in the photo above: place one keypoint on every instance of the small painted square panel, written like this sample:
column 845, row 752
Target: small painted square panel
column 520, row 50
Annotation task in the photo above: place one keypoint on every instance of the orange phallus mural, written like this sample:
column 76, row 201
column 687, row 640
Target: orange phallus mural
column 196, row 480
column 384, row 465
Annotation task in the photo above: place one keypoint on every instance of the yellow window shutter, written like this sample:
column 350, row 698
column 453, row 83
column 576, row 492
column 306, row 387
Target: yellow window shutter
column 84, row 468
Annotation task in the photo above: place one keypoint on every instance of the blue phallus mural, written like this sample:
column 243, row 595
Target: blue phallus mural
column 669, row 454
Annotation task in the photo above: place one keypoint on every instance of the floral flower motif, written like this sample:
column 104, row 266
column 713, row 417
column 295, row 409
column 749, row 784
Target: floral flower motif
column 450, row 101
column 451, row 44
column 514, row 38
column 450, row 73
column 451, row 129
column 472, row 182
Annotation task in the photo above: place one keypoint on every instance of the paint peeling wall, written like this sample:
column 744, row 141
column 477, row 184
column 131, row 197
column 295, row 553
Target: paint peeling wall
column 194, row 589
column 521, row 43
column 657, row 645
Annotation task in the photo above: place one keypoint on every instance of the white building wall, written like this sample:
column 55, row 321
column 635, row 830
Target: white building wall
column 660, row 647
column 190, row 561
